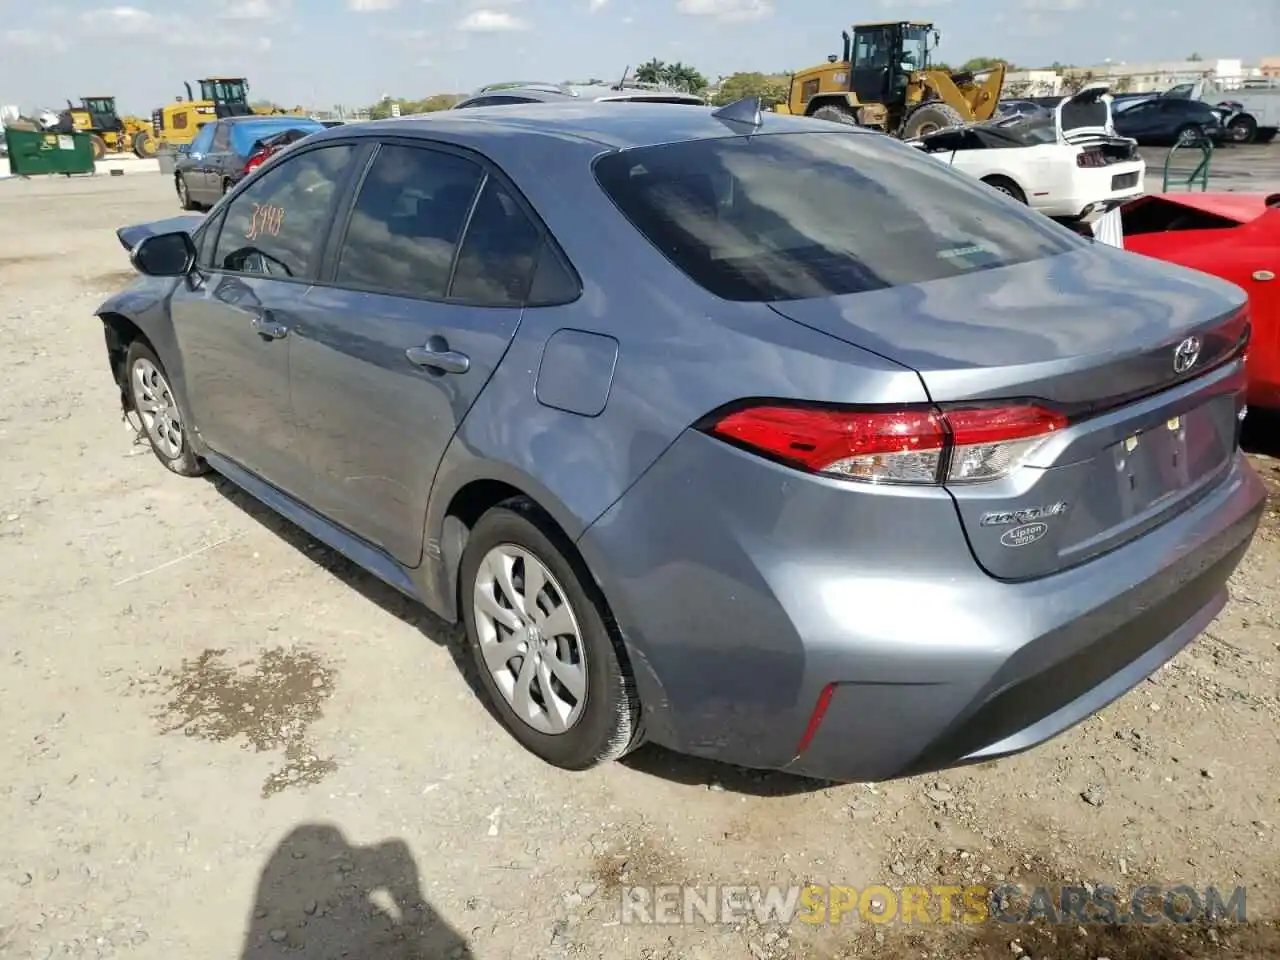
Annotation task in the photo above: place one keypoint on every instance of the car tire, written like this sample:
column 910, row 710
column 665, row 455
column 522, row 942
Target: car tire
column 159, row 416
column 930, row 118
column 1242, row 129
column 836, row 113
column 184, row 194
column 1006, row 186
column 594, row 714
column 1188, row 134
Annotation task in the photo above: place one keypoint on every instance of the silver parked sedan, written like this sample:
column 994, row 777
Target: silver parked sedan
column 764, row 440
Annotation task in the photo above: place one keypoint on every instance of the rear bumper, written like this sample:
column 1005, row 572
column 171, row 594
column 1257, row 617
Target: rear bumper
column 743, row 591
column 1090, row 191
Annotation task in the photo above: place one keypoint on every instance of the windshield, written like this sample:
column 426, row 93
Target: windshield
column 790, row 216
column 100, row 104
column 222, row 91
column 245, row 134
column 915, row 47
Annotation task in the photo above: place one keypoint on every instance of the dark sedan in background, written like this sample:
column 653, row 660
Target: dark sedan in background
column 225, row 151
column 1161, row 121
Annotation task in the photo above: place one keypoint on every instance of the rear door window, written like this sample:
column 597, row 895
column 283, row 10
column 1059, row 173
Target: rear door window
column 404, row 229
column 790, row 216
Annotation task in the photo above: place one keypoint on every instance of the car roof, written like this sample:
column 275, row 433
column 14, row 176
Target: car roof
column 639, row 124
column 265, row 116
column 553, row 92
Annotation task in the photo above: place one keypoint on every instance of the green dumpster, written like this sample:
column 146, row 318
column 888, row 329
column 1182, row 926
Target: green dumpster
column 36, row 152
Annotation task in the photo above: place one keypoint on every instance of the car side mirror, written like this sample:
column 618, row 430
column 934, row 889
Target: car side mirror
column 164, row 255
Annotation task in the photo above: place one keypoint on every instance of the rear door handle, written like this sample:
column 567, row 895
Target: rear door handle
column 268, row 329
column 444, row 360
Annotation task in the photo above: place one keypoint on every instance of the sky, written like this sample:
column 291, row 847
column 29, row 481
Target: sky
column 319, row 53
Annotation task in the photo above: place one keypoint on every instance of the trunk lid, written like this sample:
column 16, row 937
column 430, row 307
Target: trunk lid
column 1094, row 334
column 1085, row 114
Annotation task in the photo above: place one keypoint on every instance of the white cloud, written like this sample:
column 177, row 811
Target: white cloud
column 491, row 21
column 727, row 11
column 372, row 6
column 596, row 5
column 1056, row 6
column 33, row 39
column 121, row 21
column 254, row 10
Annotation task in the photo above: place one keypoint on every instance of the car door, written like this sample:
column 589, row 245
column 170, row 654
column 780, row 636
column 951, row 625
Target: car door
column 215, row 162
column 411, row 320
column 232, row 319
column 190, row 164
column 1139, row 121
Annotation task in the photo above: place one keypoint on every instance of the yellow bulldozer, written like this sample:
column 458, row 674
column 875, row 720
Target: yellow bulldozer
column 108, row 131
column 884, row 80
column 178, row 123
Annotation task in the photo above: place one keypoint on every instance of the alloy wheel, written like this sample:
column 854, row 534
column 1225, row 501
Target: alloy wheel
column 530, row 638
column 157, row 408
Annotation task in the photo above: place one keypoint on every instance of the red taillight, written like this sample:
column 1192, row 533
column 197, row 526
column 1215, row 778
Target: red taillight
column 256, row 161
column 908, row 445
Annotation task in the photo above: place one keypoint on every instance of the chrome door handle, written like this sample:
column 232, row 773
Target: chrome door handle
column 1263, row 275
column 268, row 329
column 446, row 361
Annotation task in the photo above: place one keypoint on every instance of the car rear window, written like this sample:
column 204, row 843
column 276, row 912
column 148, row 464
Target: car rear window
column 791, row 216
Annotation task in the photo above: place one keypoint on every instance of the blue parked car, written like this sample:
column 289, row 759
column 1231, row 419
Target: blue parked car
column 762, row 438
column 226, row 151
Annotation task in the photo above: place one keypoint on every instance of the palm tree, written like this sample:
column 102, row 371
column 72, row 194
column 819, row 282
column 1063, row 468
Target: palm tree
column 654, row 71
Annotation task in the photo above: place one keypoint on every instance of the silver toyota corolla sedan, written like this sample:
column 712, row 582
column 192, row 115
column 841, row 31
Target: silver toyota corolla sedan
column 762, row 439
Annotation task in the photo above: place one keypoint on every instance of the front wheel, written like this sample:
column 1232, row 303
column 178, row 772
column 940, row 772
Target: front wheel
column 1188, row 134
column 930, row 118
column 159, row 417
column 98, row 146
column 836, row 113
column 553, row 673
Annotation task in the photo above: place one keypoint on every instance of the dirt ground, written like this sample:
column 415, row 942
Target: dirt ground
column 218, row 739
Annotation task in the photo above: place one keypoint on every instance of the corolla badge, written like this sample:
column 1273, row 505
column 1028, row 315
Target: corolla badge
column 1023, row 535
column 1186, row 354
column 1026, row 515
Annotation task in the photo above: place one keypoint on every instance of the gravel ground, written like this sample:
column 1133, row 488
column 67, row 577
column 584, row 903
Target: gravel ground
column 222, row 740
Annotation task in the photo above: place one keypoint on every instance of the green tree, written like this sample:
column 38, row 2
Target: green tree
column 770, row 89
column 1195, row 58
column 684, row 77
column 978, row 64
column 651, row 71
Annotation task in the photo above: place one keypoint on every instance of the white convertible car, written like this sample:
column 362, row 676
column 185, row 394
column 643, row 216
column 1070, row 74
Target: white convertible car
column 1069, row 164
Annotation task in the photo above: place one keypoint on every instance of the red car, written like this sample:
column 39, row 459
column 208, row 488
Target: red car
column 1235, row 236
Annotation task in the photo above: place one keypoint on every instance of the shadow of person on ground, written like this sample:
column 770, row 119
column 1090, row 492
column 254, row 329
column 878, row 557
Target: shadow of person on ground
column 321, row 898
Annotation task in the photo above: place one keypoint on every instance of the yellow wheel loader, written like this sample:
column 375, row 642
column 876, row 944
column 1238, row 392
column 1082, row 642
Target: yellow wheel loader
column 884, row 81
column 97, row 117
column 178, row 123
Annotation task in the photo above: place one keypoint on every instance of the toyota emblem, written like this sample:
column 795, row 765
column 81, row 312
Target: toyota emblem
column 1186, row 354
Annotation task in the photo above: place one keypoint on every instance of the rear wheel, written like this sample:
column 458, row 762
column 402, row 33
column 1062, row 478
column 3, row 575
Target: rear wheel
column 99, row 146
column 553, row 673
column 144, row 145
column 836, row 113
column 930, row 118
column 1242, row 129
column 1006, row 186
column 184, row 194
